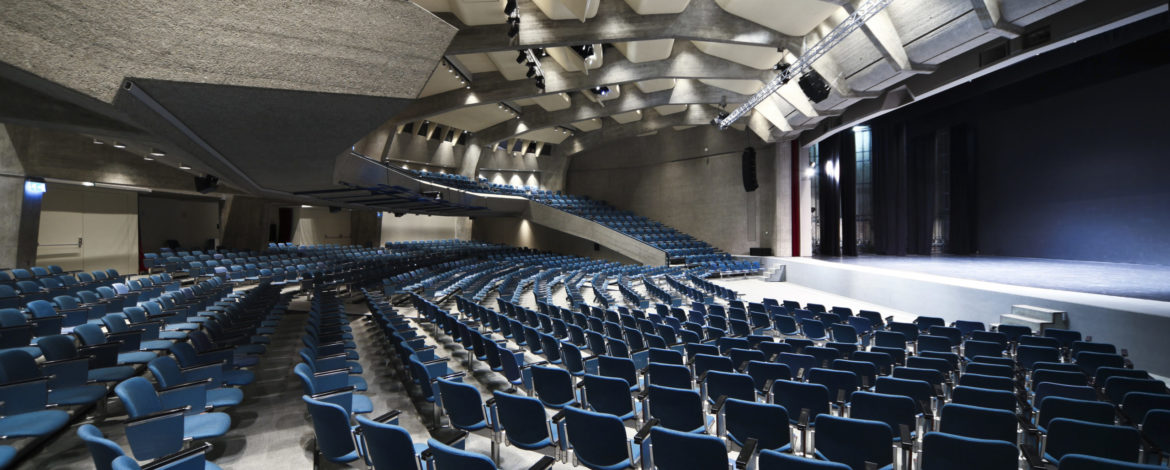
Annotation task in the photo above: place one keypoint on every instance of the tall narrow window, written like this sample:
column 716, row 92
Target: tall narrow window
column 814, row 167
column 862, row 144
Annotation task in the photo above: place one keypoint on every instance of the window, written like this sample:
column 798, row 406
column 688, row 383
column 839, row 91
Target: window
column 862, row 149
column 814, row 165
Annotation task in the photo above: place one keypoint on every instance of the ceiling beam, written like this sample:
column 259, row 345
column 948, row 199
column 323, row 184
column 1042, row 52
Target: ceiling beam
column 615, row 22
column 685, row 61
column 992, row 19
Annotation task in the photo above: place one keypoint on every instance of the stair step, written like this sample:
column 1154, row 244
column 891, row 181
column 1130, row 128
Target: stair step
column 1039, row 313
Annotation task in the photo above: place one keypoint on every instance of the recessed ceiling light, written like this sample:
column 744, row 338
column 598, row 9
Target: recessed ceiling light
column 119, row 145
column 306, row 206
column 87, row 183
column 148, row 158
column 97, row 141
column 157, row 153
column 183, row 166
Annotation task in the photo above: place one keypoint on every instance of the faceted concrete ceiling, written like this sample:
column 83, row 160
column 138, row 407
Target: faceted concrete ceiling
column 679, row 52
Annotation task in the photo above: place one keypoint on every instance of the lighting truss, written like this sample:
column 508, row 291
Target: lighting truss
column 803, row 64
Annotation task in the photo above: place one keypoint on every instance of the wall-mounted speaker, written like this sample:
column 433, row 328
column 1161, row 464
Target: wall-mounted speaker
column 206, row 184
column 749, row 170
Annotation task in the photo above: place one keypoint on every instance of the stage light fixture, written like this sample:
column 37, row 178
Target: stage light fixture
column 521, row 56
column 718, row 118
column 510, row 7
column 813, row 86
column 531, row 72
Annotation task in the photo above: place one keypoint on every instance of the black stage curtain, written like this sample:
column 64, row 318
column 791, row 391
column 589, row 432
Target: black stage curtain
column 964, row 187
column 889, row 189
column 847, row 161
column 920, row 211
column 828, row 197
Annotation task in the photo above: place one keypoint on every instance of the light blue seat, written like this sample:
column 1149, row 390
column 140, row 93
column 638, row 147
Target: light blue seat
column 141, row 399
column 335, row 440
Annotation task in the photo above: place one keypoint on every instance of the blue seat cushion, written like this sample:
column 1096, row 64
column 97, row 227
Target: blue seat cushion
column 37, row 423
column 172, row 334
column 362, row 404
column 358, row 383
column 79, row 395
column 218, row 397
column 136, row 357
column 536, row 445
column 206, row 425
column 111, row 374
column 157, row 344
column 7, row 453
column 250, row 349
column 238, row 377
column 354, row 367
column 245, row 361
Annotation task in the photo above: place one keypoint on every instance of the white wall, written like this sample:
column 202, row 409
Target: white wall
column 411, row 227
column 105, row 220
column 189, row 221
column 316, row 226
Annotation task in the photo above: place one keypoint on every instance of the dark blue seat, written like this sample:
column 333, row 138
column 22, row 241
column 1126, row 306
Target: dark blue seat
column 1069, row 436
column 141, row 400
column 854, row 442
column 743, row 420
column 524, row 422
column 610, row 395
column 1089, row 462
column 387, row 445
column 598, row 440
column 678, row 409
column 675, row 450
column 772, row 460
column 942, row 451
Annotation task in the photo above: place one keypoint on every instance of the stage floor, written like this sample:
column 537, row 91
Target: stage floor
column 1116, row 279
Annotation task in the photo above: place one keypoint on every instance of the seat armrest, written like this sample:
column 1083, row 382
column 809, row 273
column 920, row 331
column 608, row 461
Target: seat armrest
column 645, row 431
column 435, row 361
column 201, row 383
column 718, row 404
column 560, row 416
column 167, row 461
column 746, row 453
column 157, row 415
column 331, row 393
column 544, row 463
column 388, row 416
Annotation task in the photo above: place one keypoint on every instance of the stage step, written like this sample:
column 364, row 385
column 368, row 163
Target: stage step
column 776, row 273
column 1036, row 318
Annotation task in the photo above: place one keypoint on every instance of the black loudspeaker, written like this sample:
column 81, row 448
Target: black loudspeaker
column 334, row 209
column 749, row 170
column 760, row 251
column 814, row 86
column 206, row 184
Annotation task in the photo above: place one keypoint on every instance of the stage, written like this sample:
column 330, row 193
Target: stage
column 1124, row 304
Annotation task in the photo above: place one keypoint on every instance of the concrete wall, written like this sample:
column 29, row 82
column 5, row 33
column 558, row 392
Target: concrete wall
column 690, row 180
column 11, row 199
column 316, row 226
column 187, row 220
column 411, row 227
column 522, row 233
column 88, row 228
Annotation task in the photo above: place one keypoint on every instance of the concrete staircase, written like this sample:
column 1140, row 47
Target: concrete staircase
column 1036, row 318
column 776, row 273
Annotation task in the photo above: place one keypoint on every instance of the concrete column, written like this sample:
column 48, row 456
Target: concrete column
column 246, row 222
column 20, row 213
column 376, row 143
column 782, row 172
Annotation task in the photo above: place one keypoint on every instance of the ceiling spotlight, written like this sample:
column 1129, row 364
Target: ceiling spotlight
column 119, row 145
column 531, row 72
column 813, row 86
column 521, row 57
column 97, row 141
column 510, row 7
column 719, row 119
column 157, row 153
column 540, row 83
column 513, row 27
column 600, row 90
column 87, row 184
column 148, row 158
column 183, row 166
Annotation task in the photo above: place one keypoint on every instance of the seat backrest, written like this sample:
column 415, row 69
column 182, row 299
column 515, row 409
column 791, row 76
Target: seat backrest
column 730, row 385
column 102, row 450
column 676, row 450
column 522, row 418
column 57, row 347
column 854, row 441
column 676, row 408
column 462, row 403
column 166, row 371
column 1070, row 436
column 773, row 460
column 331, row 426
column 894, row 410
column 553, row 385
column 943, row 451
column 1116, row 387
column 977, row 422
column 797, row 397
column 1084, row 410
column 597, row 439
column 17, row 365
column 138, row 396
column 918, row 390
column 610, row 395
column 752, row 420
column 618, row 367
column 1050, row 389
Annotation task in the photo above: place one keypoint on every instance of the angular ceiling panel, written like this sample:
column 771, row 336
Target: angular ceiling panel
column 743, row 87
column 670, row 109
column 475, row 118
column 479, row 12
column 548, row 135
column 553, row 101
column 658, row 7
column 791, row 17
column 628, row 117
column 646, row 51
column 477, row 62
column 572, row 61
column 587, row 125
column 505, row 62
column 579, row 10
column 442, row 80
column 758, row 57
column 658, row 84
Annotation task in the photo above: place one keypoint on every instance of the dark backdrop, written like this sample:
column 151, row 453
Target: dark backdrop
column 1072, row 163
